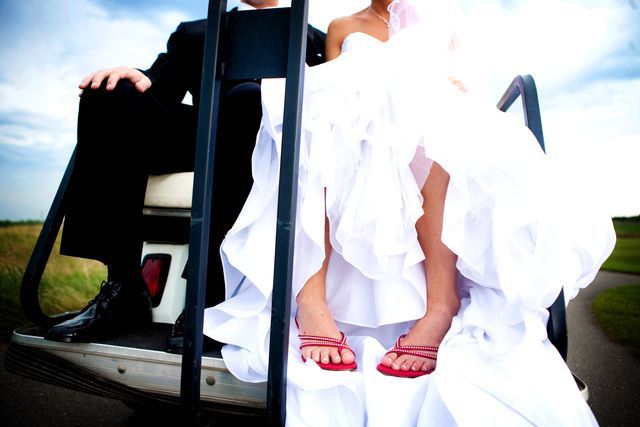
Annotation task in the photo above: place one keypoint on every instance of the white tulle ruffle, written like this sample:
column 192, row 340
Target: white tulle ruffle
column 373, row 122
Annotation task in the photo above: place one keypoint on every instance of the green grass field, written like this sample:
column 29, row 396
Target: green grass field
column 67, row 284
column 626, row 255
column 617, row 311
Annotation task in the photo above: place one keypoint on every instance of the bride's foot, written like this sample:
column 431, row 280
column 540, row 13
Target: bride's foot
column 427, row 331
column 314, row 318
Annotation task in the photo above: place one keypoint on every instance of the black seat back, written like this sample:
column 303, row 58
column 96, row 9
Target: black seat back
column 255, row 44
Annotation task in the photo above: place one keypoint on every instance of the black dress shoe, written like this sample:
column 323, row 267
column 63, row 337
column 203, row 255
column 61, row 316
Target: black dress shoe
column 119, row 307
column 175, row 340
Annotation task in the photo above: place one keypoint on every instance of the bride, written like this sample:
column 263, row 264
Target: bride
column 432, row 234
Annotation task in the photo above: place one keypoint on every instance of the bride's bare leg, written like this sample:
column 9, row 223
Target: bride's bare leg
column 314, row 317
column 443, row 301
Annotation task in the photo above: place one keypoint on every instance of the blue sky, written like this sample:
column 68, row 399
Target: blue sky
column 584, row 54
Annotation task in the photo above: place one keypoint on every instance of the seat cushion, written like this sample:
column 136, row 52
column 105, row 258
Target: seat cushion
column 169, row 191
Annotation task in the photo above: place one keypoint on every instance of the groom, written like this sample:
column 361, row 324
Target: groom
column 132, row 123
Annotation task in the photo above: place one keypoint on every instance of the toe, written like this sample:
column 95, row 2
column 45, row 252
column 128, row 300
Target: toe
column 347, row 357
column 398, row 362
column 335, row 356
column 427, row 366
column 388, row 359
column 325, row 356
column 405, row 364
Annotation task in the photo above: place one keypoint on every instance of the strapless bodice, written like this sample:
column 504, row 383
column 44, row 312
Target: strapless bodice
column 359, row 40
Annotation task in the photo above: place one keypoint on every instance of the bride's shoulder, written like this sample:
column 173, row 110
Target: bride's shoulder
column 351, row 23
column 341, row 26
column 339, row 29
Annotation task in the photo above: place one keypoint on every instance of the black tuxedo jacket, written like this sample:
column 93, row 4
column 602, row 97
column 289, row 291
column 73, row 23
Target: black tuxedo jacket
column 179, row 69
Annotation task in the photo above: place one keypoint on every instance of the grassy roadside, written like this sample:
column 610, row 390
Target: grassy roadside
column 67, row 284
column 626, row 255
column 617, row 311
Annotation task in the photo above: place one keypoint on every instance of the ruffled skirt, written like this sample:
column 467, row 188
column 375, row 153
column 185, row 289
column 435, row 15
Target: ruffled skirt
column 372, row 126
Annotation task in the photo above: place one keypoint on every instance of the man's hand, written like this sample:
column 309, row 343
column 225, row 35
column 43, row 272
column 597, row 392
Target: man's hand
column 113, row 76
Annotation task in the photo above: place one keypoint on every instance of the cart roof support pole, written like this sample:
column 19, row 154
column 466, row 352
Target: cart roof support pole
column 201, row 213
column 287, row 200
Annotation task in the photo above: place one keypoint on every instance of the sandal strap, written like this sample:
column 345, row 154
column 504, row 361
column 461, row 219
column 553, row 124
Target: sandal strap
column 320, row 341
column 422, row 354
column 425, row 351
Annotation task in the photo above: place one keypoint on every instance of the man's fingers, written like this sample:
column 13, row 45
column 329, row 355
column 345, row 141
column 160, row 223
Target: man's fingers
column 113, row 80
column 143, row 84
column 138, row 78
column 85, row 82
column 98, row 77
column 113, row 76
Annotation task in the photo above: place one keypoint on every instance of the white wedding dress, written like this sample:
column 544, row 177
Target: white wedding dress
column 374, row 119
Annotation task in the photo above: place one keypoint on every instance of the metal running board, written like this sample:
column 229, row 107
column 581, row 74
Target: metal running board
column 130, row 374
column 138, row 375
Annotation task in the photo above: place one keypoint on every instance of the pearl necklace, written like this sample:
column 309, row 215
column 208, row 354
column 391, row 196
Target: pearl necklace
column 386, row 21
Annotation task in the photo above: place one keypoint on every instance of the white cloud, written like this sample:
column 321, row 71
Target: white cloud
column 322, row 12
column 46, row 49
column 596, row 134
column 582, row 55
column 579, row 51
column 59, row 43
column 556, row 41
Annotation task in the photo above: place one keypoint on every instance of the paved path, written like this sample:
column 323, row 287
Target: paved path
column 611, row 372
column 24, row 402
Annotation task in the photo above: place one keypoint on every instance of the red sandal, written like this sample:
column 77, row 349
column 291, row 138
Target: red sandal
column 428, row 352
column 320, row 341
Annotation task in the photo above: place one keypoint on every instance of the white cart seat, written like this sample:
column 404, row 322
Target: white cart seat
column 170, row 191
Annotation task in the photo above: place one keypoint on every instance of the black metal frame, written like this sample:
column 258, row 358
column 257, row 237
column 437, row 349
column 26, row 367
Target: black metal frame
column 218, row 66
column 276, row 53
column 29, row 299
column 525, row 87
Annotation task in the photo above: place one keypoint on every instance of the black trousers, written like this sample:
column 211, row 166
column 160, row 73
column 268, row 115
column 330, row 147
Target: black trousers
column 123, row 136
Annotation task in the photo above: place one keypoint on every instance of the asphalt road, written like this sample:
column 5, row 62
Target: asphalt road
column 611, row 372
column 25, row 402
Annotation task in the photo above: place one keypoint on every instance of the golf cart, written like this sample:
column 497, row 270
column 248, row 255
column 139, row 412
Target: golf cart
column 134, row 367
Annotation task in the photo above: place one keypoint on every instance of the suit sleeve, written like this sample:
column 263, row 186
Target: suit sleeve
column 168, row 74
column 316, row 40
